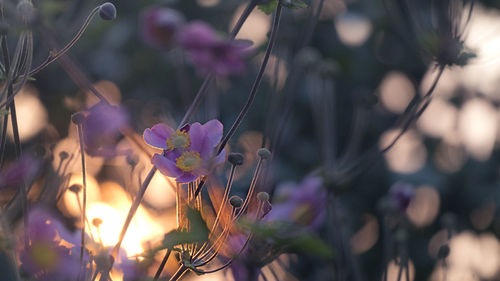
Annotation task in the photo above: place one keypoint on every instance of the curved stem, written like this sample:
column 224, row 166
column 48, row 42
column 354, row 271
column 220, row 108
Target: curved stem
column 52, row 57
column 258, row 79
column 84, row 207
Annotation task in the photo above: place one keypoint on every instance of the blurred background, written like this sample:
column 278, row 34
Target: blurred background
column 365, row 61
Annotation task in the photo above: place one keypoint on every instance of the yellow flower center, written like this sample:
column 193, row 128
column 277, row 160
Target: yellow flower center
column 188, row 161
column 44, row 255
column 179, row 139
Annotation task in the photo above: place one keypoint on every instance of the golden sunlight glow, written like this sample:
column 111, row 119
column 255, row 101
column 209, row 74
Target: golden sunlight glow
column 72, row 147
column 255, row 27
column 32, row 117
column 353, row 29
column 477, row 127
column 396, row 91
column 113, row 213
column 408, row 155
column 424, row 207
column 70, row 198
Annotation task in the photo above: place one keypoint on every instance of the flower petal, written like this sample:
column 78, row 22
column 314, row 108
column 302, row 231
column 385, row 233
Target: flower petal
column 186, row 177
column 213, row 129
column 197, row 136
column 157, row 136
column 166, row 166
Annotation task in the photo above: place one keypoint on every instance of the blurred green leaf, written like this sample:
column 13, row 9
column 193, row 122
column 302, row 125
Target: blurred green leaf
column 198, row 231
column 269, row 7
column 294, row 4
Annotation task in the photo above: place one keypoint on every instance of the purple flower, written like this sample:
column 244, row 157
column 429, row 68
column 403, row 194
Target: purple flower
column 188, row 153
column 400, row 195
column 45, row 258
column 22, row 171
column 101, row 128
column 160, row 26
column 302, row 204
column 209, row 52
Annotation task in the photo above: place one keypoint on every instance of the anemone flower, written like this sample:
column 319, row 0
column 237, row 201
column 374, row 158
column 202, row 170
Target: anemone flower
column 160, row 26
column 188, row 153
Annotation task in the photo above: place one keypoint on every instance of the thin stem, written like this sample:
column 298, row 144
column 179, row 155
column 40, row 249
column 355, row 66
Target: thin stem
column 84, row 183
column 54, row 56
column 162, row 265
column 204, row 86
column 182, row 269
column 15, row 129
column 258, row 79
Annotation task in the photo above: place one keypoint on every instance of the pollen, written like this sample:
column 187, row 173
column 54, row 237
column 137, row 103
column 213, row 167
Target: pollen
column 179, row 139
column 188, row 161
column 44, row 255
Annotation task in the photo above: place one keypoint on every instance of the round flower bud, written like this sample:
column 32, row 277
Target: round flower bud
column 97, row 222
column 236, row 201
column 444, row 251
column 264, row 153
column 263, row 196
column 63, row 155
column 104, row 261
column 132, row 159
column 77, row 118
column 236, row 159
column 75, row 188
column 107, row 11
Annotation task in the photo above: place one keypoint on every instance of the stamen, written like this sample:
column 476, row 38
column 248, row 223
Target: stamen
column 179, row 139
column 188, row 161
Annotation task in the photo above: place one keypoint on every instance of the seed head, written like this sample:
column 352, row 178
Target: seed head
column 236, row 201
column 75, row 188
column 263, row 196
column 264, row 153
column 236, row 159
column 77, row 118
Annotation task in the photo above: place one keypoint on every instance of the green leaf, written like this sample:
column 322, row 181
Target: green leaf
column 269, row 8
column 294, row 4
column 198, row 231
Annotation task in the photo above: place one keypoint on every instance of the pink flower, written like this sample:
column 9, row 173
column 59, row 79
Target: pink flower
column 302, row 204
column 209, row 52
column 160, row 26
column 45, row 258
column 188, row 153
column 101, row 129
column 22, row 171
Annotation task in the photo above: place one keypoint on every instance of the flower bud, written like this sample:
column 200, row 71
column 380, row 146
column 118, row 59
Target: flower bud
column 236, row 201
column 96, row 222
column 63, row 155
column 236, row 159
column 75, row 188
column 263, row 196
column 132, row 159
column 444, row 251
column 264, row 153
column 77, row 118
column 107, row 11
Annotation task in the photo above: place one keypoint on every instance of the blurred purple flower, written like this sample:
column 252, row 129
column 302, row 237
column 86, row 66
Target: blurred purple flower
column 101, row 128
column 45, row 258
column 400, row 195
column 209, row 52
column 160, row 26
column 187, row 153
column 302, row 204
column 24, row 170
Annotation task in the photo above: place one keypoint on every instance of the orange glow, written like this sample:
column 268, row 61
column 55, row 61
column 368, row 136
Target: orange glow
column 72, row 146
column 424, row 207
column 108, row 89
column 70, row 198
column 408, row 155
column 366, row 237
column 396, row 91
column 439, row 119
